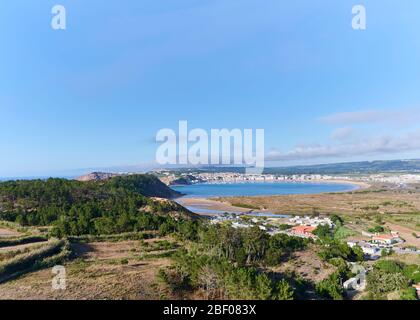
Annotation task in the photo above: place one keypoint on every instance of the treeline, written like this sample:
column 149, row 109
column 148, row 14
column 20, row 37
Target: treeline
column 75, row 208
column 232, row 263
column 29, row 194
column 248, row 246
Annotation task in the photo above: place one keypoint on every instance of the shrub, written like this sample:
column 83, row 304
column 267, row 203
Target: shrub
column 331, row 287
column 408, row 294
column 412, row 272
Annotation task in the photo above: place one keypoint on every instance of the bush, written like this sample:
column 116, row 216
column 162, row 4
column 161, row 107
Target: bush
column 412, row 272
column 376, row 229
column 336, row 249
column 408, row 294
column 323, row 232
column 331, row 287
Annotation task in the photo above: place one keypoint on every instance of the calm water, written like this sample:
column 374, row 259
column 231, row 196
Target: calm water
column 207, row 190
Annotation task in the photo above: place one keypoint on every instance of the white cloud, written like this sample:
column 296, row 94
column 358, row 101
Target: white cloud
column 399, row 116
column 369, row 146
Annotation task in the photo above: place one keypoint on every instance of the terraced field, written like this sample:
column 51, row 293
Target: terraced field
column 94, row 270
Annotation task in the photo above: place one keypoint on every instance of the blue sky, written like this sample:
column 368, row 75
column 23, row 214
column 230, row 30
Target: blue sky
column 94, row 96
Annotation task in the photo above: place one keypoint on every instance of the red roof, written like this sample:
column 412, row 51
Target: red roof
column 303, row 229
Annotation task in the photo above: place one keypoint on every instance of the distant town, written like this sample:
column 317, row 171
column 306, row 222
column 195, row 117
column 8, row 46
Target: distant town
column 173, row 177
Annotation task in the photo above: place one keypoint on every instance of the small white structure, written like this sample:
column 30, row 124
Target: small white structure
column 386, row 239
column 355, row 283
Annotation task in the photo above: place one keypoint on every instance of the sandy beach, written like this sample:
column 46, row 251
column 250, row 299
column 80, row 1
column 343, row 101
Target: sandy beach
column 358, row 184
column 210, row 204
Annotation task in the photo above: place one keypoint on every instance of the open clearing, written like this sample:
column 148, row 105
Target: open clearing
column 105, row 270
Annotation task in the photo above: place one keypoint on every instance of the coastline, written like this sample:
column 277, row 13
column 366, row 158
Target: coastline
column 358, row 184
column 216, row 204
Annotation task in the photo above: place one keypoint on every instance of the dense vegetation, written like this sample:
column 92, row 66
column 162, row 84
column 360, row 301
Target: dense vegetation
column 338, row 253
column 120, row 204
column 390, row 276
column 232, row 263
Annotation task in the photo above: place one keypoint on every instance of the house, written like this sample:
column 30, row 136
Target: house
column 303, row 230
column 386, row 239
column 367, row 248
column 370, row 250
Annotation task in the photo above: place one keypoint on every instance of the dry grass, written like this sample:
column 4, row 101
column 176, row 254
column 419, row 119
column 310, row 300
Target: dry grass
column 6, row 232
column 105, row 270
column 360, row 202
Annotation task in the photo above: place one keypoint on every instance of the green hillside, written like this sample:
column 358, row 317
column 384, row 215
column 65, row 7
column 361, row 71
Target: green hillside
column 119, row 204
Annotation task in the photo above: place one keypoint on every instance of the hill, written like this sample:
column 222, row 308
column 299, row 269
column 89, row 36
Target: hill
column 97, row 176
column 118, row 204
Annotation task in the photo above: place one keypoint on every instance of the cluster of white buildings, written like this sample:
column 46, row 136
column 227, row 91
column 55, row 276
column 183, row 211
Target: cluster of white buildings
column 301, row 226
column 238, row 222
column 311, row 221
column 243, row 177
column 378, row 242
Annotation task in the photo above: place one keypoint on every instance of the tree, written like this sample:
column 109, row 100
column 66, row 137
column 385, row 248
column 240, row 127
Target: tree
column 337, row 220
column 331, row 287
column 358, row 253
column 322, row 231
